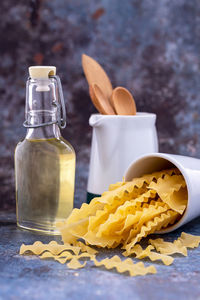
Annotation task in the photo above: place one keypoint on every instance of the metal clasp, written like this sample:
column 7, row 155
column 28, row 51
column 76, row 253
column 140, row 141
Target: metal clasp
column 61, row 108
column 61, row 121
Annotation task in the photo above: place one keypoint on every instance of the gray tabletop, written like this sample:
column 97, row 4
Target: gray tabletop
column 28, row 277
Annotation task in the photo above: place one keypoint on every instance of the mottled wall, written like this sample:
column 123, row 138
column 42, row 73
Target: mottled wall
column 151, row 47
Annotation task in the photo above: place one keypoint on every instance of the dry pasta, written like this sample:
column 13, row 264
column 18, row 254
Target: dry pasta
column 189, row 240
column 125, row 266
column 53, row 247
column 122, row 216
column 75, row 264
column 142, row 253
column 168, row 247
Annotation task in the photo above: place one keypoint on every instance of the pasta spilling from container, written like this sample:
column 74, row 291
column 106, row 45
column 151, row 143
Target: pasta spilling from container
column 129, row 211
column 122, row 217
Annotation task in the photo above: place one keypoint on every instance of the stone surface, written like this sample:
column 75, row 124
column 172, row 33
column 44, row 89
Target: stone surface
column 151, row 47
column 28, row 277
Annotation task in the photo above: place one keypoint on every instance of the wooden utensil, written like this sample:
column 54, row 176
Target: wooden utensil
column 123, row 101
column 95, row 74
column 95, row 100
column 101, row 101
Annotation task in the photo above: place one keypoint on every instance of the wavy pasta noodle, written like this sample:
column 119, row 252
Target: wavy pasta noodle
column 129, row 207
column 125, row 266
column 75, row 264
column 85, row 248
column 65, row 256
column 189, row 240
column 150, row 221
column 178, row 246
column 62, row 258
column 116, row 185
column 172, row 190
column 148, row 178
column 80, row 256
column 168, row 247
column 151, row 226
column 53, row 247
column 142, row 253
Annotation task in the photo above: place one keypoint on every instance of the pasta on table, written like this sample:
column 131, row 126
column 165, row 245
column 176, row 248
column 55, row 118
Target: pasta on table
column 123, row 216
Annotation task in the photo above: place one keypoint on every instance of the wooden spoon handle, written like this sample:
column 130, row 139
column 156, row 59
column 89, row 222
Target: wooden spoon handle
column 95, row 101
column 103, row 102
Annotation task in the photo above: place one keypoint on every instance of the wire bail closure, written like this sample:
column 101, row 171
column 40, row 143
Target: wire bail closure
column 61, row 116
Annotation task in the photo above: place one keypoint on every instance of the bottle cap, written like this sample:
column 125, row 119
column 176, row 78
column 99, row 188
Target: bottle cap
column 41, row 72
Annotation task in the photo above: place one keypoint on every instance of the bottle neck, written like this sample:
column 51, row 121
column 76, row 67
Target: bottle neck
column 43, row 109
column 45, row 132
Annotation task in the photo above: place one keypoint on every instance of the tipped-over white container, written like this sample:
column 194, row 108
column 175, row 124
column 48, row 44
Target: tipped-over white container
column 116, row 141
column 189, row 168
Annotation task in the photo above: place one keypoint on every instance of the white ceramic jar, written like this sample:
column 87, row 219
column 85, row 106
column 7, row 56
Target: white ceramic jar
column 189, row 168
column 116, row 141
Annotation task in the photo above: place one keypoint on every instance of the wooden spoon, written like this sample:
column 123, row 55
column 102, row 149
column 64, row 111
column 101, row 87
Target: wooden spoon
column 95, row 74
column 101, row 101
column 95, row 100
column 123, row 101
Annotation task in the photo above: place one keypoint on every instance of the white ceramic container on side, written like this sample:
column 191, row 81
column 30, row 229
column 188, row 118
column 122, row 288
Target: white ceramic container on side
column 189, row 168
column 116, row 141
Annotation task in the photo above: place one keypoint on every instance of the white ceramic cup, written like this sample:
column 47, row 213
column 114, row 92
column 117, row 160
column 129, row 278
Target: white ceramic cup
column 116, row 141
column 189, row 168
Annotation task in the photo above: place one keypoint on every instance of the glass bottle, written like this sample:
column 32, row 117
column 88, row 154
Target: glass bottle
column 44, row 161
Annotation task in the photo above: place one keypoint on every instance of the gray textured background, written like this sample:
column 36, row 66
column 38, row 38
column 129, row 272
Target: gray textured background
column 151, row 47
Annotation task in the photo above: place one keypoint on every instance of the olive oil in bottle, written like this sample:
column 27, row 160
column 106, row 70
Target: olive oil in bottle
column 44, row 161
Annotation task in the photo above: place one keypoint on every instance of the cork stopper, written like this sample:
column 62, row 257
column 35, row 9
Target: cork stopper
column 41, row 72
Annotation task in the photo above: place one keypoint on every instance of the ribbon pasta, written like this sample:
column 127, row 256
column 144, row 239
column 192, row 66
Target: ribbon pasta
column 122, row 216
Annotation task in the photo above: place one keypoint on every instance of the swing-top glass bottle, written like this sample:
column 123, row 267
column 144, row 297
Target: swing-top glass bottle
column 44, row 161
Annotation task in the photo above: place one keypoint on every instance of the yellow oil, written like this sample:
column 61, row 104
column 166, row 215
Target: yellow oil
column 44, row 173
